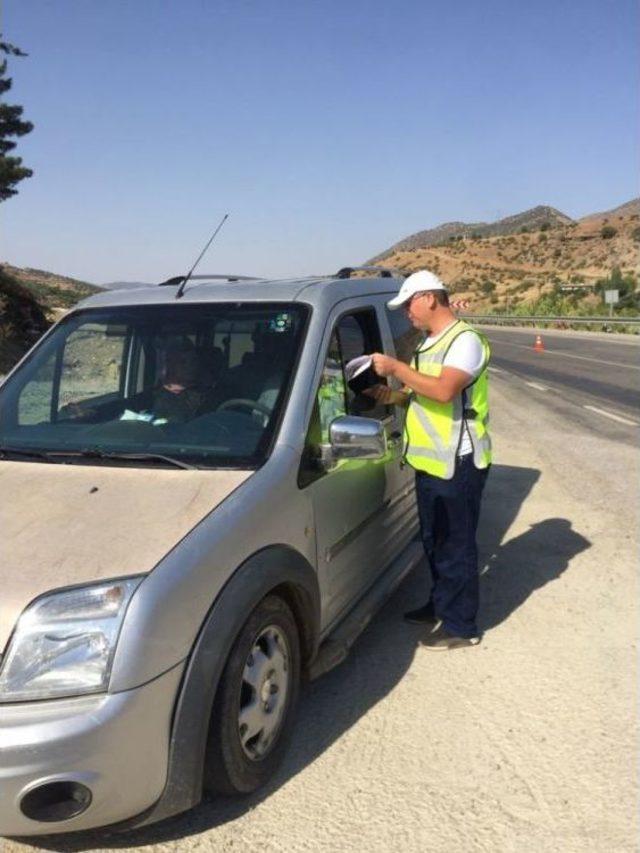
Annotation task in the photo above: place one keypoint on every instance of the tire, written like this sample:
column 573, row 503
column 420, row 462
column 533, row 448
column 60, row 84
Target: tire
column 259, row 687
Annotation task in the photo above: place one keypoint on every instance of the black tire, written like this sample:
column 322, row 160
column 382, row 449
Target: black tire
column 228, row 769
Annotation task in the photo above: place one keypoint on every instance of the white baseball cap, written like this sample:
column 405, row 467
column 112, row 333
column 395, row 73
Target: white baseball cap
column 417, row 282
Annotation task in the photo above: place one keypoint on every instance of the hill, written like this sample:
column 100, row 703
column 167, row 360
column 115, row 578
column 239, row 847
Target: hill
column 124, row 285
column 530, row 220
column 627, row 209
column 30, row 300
column 22, row 320
column 52, row 290
column 524, row 257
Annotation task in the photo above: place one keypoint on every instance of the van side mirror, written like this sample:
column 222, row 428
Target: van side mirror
column 352, row 437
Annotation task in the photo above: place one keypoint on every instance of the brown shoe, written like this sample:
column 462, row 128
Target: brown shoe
column 441, row 640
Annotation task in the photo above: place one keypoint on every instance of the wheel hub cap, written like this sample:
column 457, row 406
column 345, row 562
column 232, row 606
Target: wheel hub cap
column 263, row 695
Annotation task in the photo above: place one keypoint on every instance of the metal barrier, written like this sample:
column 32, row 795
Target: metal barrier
column 556, row 321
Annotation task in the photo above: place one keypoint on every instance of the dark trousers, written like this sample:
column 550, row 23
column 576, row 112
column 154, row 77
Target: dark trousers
column 449, row 511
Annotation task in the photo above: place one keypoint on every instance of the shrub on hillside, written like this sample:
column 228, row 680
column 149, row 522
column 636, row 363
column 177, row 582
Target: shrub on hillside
column 22, row 320
column 608, row 231
column 625, row 283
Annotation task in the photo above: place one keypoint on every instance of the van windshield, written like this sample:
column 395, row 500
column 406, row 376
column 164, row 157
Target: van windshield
column 201, row 384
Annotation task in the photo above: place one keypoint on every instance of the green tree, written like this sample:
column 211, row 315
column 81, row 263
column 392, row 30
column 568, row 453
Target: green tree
column 625, row 283
column 11, row 125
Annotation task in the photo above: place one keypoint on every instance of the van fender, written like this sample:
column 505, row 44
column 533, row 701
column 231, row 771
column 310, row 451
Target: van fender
column 277, row 568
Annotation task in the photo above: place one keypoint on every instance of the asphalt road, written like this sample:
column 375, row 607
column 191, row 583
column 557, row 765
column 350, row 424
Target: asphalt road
column 593, row 379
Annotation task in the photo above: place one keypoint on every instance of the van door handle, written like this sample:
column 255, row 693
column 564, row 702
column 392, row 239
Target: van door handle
column 394, row 439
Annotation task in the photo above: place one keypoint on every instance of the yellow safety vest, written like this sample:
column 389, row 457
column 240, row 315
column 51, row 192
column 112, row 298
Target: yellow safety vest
column 433, row 431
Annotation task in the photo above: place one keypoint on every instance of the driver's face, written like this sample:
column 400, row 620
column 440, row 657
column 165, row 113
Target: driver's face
column 182, row 369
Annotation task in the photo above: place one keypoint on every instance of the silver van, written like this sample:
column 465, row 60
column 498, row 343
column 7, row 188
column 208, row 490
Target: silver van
column 197, row 512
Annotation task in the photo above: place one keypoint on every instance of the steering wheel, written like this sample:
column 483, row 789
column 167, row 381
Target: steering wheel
column 244, row 402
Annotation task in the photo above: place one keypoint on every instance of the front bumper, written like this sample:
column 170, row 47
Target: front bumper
column 114, row 744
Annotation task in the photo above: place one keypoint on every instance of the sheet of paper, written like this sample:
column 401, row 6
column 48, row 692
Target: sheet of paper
column 357, row 366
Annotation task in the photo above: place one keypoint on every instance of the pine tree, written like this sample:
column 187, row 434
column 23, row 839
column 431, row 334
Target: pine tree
column 11, row 124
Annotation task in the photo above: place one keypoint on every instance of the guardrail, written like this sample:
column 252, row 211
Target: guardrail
column 558, row 321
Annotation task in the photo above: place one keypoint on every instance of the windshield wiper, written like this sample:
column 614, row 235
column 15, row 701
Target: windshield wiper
column 7, row 452
column 133, row 457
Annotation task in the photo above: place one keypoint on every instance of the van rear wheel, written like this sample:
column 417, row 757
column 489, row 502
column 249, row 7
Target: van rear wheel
column 253, row 712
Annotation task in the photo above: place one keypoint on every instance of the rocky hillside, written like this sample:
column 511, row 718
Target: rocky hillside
column 22, row 320
column 29, row 301
column 523, row 257
column 52, row 290
column 530, row 220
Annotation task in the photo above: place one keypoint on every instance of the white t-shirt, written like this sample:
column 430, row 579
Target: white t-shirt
column 466, row 354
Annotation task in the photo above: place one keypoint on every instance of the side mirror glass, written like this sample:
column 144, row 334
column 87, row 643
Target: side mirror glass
column 357, row 438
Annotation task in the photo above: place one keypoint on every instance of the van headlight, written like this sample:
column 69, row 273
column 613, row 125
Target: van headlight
column 64, row 642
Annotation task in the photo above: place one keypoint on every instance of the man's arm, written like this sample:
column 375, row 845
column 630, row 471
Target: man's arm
column 443, row 388
column 387, row 396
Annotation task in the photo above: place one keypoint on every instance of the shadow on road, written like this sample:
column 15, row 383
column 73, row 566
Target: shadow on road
column 511, row 571
column 381, row 657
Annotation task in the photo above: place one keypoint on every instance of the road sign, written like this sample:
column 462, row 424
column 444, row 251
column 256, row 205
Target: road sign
column 611, row 296
column 576, row 288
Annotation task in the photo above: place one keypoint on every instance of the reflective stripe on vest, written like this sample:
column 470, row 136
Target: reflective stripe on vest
column 433, row 430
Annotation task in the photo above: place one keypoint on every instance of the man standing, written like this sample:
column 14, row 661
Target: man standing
column 448, row 445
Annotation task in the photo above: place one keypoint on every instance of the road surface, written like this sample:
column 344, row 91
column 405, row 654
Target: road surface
column 596, row 372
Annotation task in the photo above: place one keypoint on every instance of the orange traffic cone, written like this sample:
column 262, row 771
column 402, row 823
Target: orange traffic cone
column 538, row 346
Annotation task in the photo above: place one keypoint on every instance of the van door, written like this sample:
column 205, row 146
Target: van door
column 350, row 500
column 400, row 339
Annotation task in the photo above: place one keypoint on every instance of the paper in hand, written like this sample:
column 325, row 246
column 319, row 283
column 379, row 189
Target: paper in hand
column 357, row 366
column 360, row 374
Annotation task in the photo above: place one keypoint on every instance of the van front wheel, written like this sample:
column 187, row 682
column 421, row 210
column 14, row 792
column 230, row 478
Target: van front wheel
column 253, row 712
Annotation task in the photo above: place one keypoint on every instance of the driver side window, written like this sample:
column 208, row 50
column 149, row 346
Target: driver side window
column 354, row 335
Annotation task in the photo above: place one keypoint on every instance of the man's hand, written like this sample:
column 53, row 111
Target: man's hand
column 385, row 395
column 384, row 365
column 74, row 411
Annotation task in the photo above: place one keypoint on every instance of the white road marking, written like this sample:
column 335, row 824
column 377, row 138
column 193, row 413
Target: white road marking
column 571, row 355
column 538, row 387
column 613, row 416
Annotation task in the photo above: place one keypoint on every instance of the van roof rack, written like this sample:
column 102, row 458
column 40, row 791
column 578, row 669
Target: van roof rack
column 178, row 279
column 383, row 272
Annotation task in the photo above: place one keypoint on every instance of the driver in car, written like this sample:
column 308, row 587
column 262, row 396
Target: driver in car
column 180, row 397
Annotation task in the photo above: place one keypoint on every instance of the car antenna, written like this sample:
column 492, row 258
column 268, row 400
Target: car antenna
column 180, row 290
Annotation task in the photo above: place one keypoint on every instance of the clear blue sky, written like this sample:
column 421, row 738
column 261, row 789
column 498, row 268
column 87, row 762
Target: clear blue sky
column 328, row 129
